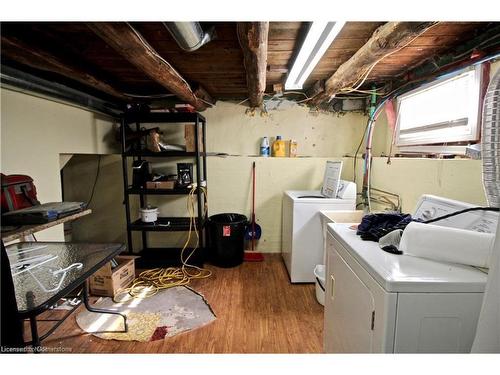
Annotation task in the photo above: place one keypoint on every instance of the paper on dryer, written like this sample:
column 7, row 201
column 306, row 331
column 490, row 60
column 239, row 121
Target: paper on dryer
column 332, row 178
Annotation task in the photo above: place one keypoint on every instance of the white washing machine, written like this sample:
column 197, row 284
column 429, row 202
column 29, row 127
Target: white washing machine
column 302, row 239
column 378, row 302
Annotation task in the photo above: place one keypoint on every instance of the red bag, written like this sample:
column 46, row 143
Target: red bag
column 18, row 191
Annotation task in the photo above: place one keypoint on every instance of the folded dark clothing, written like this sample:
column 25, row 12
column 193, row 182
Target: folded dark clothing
column 375, row 226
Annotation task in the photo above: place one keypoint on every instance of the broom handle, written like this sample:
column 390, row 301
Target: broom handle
column 253, row 207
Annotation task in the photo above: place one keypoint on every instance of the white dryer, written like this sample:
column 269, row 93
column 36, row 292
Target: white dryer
column 302, row 237
column 378, row 302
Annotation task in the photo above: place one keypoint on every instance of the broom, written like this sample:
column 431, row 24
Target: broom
column 255, row 232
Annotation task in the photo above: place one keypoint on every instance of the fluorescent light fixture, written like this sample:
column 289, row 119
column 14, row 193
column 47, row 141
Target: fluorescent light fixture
column 318, row 39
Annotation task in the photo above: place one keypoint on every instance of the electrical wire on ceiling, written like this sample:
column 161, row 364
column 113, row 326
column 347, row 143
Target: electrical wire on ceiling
column 152, row 96
column 245, row 100
column 477, row 46
column 433, row 76
column 153, row 51
column 353, row 97
column 296, row 92
column 150, row 282
column 442, row 67
column 285, row 93
column 363, row 76
column 369, row 92
column 360, row 80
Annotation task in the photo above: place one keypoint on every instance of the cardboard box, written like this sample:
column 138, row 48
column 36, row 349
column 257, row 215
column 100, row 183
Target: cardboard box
column 107, row 282
column 160, row 184
column 189, row 137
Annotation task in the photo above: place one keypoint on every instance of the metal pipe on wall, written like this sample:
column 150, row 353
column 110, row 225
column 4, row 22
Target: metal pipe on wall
column 23, row 82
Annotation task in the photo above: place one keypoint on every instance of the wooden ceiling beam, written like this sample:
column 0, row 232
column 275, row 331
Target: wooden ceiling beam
column 34, row 57
column 253, row 37
column 387, row 39
column 127, row 42
column 201, row 93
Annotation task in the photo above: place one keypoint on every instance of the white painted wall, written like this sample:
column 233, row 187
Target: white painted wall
column 35, row 131
column 230, row 188
column 317, row 134
column 458, row 179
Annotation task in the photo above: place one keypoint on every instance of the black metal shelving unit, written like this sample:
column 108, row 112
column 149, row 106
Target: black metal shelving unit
column 162, row 257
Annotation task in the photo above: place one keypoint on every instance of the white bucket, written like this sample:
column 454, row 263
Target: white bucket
column 319, row 273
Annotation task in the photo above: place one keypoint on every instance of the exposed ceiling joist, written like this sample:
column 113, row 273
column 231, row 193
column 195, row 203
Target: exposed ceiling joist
column 386, row 40
column 218, row 65
column 253, row 37
column 201, row 93
column 34, row 57
column 128, row 43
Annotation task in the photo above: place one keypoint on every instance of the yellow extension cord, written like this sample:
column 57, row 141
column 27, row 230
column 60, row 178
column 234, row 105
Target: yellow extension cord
column 150, row 282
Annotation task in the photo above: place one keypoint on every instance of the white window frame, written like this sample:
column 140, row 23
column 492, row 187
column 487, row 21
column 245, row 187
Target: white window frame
column 473, row 117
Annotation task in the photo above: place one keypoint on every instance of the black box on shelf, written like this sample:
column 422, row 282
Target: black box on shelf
column 184, row 174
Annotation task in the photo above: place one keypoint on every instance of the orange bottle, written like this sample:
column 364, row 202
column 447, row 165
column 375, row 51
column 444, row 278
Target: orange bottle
column 279, row 149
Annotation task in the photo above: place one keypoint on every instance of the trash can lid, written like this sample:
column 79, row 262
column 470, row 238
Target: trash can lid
column 228, row 218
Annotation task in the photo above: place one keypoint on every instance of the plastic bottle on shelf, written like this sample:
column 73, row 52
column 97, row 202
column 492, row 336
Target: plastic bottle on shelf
column 264, row 147
column 279, row 149
column 293, row 148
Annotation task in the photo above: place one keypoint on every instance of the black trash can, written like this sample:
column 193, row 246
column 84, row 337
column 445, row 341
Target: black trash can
column 227, row 237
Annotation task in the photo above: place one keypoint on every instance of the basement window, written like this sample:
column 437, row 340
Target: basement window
column 440, row 113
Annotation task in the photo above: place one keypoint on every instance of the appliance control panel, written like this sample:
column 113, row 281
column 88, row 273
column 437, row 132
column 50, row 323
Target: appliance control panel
column 431, row 207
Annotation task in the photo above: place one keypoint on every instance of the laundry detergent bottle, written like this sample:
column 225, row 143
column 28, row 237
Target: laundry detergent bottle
column 264, row 147
column 279, row 149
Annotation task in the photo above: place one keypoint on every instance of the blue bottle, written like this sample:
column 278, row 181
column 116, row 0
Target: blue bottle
column 264, row 147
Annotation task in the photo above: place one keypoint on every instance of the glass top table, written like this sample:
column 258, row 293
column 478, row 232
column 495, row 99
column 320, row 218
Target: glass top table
column 44, row 272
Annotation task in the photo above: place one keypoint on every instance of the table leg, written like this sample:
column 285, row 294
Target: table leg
column 102, row 311
column 35, row 340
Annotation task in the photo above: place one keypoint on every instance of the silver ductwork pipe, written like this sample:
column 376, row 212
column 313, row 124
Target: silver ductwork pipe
column 490, row 143
column 189, row 35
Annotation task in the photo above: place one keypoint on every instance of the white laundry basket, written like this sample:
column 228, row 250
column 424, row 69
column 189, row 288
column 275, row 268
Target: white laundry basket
column 319, row 273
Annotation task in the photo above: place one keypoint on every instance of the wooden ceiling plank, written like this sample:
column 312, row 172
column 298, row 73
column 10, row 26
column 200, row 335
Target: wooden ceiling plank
column 34, row 57
column 253, row 37
column 281, row 45
column 453, row 28
column 128, row 43
column 294, row 25
column 387, row 39
column 284, row 34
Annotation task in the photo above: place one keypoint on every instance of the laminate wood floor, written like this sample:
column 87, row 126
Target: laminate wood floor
column 258, row 311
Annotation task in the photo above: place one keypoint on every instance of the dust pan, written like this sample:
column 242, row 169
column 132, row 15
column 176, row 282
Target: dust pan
column 253, row 256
